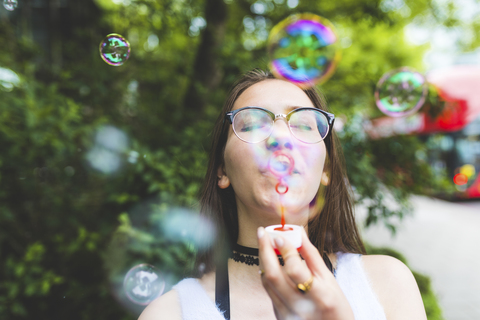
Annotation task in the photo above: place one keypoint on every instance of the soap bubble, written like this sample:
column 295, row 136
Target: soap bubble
column 303, row 49
column 10, row 5
column 281, row 164
column 143, row 284
column 115, row 49
column 187, row 225
column 401, row 92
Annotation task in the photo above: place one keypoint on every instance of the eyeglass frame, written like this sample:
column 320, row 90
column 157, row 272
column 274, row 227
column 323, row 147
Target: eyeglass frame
column 230, row 115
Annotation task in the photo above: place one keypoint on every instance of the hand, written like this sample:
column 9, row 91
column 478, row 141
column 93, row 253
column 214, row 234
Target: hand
column 325, row 300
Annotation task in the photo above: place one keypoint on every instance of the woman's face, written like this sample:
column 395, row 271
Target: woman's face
column 246, row 164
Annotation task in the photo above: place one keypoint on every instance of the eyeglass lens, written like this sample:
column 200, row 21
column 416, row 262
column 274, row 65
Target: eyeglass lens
column 255, row 125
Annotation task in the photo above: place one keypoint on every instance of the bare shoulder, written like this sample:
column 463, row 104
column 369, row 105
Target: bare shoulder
column 165, row 307
column 395, row 287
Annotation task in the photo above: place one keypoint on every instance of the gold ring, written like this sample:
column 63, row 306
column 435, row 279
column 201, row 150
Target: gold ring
column 306, row 286
column 261, row 272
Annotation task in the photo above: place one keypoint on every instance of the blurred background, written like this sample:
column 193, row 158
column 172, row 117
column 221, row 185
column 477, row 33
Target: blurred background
column 101, row 165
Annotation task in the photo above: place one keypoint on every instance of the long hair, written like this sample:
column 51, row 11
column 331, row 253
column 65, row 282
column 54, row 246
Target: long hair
column 331, row 229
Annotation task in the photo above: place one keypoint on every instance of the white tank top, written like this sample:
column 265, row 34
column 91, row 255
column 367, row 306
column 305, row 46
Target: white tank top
column 196, row 305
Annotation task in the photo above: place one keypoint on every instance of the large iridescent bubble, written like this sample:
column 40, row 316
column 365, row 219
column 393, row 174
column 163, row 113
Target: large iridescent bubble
column 10, row 5
column 115, row 49
column 401, row 92
column 143, row 284
column 303, row 49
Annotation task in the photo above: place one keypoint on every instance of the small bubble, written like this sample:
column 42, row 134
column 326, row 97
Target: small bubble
column 10, row 5
column 186, row 225
column 401, row 92
column 143, row 284
column 201, row 268
column 115, row 49
column 281, row 164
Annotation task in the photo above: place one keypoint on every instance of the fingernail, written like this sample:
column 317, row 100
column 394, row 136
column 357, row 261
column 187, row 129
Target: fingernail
column 279, row 242
column 260, row 232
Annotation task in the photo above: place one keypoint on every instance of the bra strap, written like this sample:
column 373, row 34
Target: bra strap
column 222, row 288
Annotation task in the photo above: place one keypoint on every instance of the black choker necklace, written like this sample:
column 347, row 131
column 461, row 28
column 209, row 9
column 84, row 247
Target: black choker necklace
column 249, row 256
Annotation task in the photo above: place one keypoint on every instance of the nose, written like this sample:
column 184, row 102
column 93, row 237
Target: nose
column 281, row 137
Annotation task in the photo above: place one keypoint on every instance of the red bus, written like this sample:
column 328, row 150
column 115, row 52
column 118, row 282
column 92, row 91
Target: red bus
column 453, row 136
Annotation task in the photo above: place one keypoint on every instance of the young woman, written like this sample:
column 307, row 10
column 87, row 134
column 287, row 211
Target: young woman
column 243, row 277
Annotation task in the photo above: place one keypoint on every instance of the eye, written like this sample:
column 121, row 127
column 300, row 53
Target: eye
column 251, row 120
column 304, row 121
column 251, row 125
column 301, row 126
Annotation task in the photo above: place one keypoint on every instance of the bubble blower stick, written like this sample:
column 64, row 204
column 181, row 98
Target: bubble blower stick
column 281, row 166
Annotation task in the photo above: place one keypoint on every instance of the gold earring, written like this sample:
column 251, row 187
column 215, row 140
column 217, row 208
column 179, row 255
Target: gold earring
column 325, row 180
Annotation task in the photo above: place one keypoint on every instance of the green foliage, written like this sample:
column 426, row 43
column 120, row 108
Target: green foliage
column 69, row 232
column 430, row 302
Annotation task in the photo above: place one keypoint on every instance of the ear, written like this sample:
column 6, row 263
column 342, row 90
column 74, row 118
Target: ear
column 325, row 179
column 223, row 181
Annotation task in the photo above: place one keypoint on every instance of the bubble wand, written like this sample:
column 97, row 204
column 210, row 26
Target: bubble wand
column 281, row 166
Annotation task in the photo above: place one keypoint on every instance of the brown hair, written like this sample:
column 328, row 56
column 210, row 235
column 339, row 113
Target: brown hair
column 332, row 229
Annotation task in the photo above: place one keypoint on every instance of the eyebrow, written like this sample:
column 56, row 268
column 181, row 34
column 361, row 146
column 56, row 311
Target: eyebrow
column 291, row 108
column 288, row 108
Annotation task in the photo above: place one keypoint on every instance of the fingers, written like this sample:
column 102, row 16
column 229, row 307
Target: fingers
column 273, row 274
column 295, row 269
column 266, row 254
column 312, row 257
